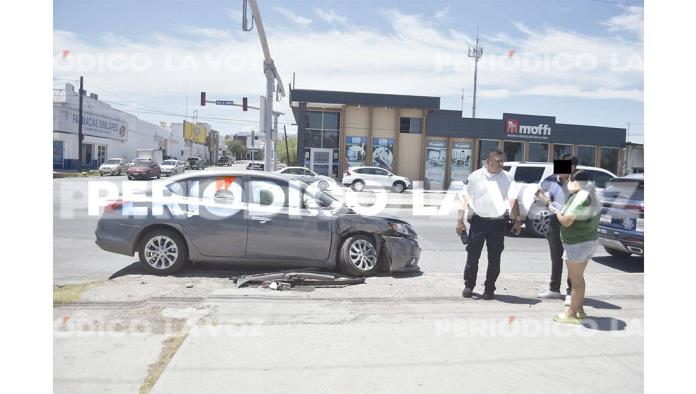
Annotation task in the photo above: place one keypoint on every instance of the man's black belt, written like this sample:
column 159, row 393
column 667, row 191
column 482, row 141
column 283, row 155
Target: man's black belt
column 490, row 219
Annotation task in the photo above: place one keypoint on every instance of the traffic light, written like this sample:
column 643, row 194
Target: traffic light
column 245, row 104
column 202, row 99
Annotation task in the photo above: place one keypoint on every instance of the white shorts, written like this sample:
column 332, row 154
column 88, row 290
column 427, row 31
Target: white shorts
column 580, row 252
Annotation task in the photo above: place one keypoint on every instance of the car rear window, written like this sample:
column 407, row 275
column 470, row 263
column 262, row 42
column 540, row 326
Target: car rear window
column 529, row 174
column 629, row 189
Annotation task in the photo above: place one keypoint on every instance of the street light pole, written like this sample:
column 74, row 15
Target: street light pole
column 272, row 75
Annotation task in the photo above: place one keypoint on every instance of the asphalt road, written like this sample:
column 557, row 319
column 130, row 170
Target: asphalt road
column 76, row 258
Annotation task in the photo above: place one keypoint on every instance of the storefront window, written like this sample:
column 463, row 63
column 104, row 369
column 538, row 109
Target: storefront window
column 609, row 159
column 58, row 153
column 460, row 161
column 435, row 160
column 312, row 138
column 560, row 150
column 538, row 152
column 322, row 129
column 486, row 146
column 410, row 125
column 101, row 154
column 586, row 155
column 383, row 153
column 513, row 151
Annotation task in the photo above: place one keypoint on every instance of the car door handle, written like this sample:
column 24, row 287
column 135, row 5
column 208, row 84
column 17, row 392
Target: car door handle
column 261, row 219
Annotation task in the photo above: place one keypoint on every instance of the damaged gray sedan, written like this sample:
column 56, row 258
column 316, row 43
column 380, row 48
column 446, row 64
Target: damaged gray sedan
column 250, row 217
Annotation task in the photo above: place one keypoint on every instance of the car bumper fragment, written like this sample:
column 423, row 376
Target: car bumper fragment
column 402, row 253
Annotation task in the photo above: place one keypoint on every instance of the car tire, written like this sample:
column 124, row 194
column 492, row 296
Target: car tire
column 358, row 186
column 358, row 256
column 323, row 185
column 159, row 241
column 398, row 187
column 617, row 253
column 130, row 178
column 119, row 173
column 539, row 224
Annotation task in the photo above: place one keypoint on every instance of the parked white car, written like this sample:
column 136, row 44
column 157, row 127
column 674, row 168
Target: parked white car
column 113, row 166
column 171, row 167
column 358, row 178
column 307, row 176
column 528, row 175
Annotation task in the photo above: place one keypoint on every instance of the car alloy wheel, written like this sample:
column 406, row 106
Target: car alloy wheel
column 161, row 252
column 358, row 186
column 541, row 222
column 323, row 185
column 399, row 187
column 363, row 255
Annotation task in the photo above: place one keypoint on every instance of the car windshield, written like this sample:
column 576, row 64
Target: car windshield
column 192, row 160
column 112, row 161
column 141, row 161
column 169, row 162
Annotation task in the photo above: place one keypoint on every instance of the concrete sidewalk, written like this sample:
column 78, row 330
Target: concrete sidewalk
column 414, row 335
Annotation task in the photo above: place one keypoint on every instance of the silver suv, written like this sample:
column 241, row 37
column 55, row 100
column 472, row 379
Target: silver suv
column 529, row 175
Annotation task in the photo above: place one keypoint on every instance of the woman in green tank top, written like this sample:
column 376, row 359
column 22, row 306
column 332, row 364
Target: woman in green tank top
column 579, row 221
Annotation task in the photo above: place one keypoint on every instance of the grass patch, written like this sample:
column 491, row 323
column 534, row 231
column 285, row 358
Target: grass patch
column 169, row 349
column 69, row 294
column 80, row 174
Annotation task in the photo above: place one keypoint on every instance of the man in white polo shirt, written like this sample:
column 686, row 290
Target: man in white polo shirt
column 491, row 194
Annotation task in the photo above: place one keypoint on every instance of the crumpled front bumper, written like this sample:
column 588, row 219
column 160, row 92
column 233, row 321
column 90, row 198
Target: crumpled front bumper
column 402, row 253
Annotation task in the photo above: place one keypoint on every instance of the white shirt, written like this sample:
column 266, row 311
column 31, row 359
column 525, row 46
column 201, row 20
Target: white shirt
column 490, row 194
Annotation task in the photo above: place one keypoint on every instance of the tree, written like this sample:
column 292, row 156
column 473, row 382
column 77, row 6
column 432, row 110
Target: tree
column 292, row 147
column 236, row 148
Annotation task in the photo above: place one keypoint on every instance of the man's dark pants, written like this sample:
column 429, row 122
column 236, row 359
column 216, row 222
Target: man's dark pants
column 553, row 236
column 492, row 232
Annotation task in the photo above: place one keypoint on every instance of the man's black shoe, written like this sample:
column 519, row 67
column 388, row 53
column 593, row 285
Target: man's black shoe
column 488, row 295
column 467, row 293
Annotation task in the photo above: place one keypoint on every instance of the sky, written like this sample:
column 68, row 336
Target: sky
column 580, row 61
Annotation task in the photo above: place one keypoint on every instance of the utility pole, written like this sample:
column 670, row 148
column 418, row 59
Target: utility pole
column 269, row 69
column 275, row 145
column 475, row 52
column 253, row 149
column 80, row 137
column 287, row 151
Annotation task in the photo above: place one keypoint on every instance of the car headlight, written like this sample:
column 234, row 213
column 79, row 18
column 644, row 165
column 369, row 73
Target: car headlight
column 404, row 230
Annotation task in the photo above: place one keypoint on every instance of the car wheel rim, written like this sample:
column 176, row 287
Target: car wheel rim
column 161, row 252
column 323, row 185
column 363, row 255
column 541, row 222
column 399, row 188
column 358, row 186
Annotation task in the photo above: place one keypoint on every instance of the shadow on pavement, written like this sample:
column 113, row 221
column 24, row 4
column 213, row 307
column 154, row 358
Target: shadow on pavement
column 229, row 270
column 511, row 299
column 632, row 264
column 599, row 304
column 604, row 324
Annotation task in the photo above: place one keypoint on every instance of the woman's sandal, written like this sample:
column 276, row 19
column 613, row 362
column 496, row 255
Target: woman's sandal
column 564, row 318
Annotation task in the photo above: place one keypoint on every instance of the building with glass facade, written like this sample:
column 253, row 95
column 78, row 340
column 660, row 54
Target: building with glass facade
column 411, row 136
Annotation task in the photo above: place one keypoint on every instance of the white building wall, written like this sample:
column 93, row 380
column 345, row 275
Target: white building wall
column 140, row 134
